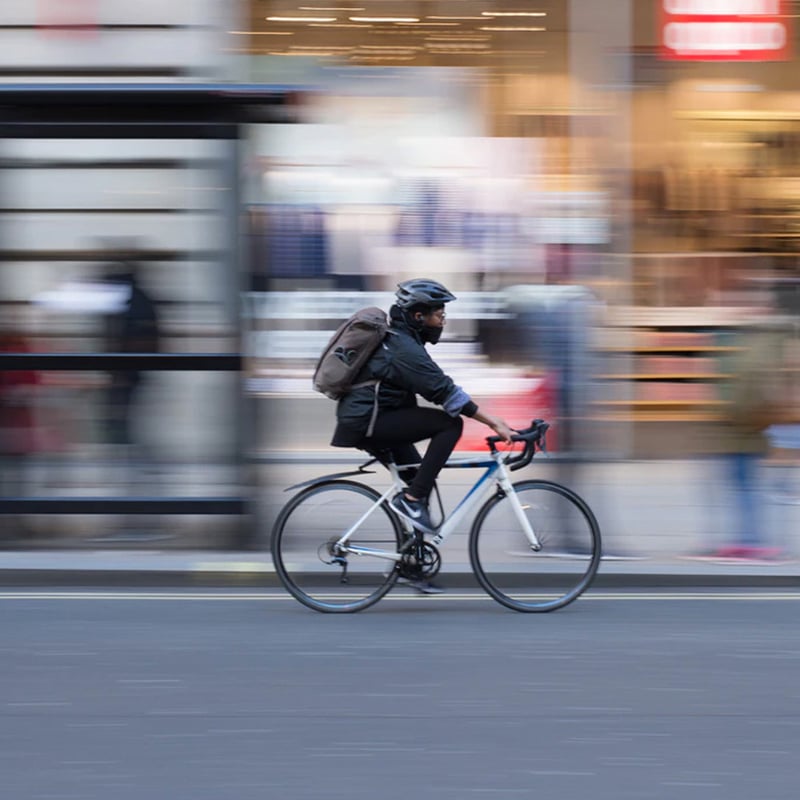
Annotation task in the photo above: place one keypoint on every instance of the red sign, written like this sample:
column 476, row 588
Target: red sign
column 724, row 30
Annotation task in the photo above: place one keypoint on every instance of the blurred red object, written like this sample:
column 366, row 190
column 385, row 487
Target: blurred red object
column 537, row 401
column 68, row 17
column 17, row 419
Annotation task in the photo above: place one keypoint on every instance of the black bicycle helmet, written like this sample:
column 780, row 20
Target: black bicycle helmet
column 422, row 292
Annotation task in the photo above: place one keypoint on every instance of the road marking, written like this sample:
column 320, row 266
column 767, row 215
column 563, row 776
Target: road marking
column 243, row 596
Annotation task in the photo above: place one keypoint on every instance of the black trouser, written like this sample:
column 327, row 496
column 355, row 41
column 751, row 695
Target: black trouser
column 397, row 431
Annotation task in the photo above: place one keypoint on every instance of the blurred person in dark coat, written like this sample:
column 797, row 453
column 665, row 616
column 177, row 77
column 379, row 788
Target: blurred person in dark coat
column 132, row 327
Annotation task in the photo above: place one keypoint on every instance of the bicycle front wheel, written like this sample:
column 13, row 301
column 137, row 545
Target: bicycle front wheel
column 318, row 571
column 522, row 578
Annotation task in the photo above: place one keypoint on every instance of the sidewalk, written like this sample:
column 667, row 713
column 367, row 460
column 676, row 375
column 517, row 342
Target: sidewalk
column 198, row 569
column 659, row 512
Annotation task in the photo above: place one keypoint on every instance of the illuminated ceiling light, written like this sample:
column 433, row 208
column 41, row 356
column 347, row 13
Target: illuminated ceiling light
column 459, row 52
column 513, row 13
column 306, row 53
column 387, row 54
column 407, row 30
column 384, row 19
column 337, row 25
column 378, row 59
column 390, row 48
column 457, row 37
column 498, row 28
column 444, row 16
column 431, row 24
column 301, row 19
column 462, row 47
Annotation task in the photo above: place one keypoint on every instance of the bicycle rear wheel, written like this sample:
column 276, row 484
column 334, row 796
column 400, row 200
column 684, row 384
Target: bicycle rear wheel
column 527, row 580
column 307, row 560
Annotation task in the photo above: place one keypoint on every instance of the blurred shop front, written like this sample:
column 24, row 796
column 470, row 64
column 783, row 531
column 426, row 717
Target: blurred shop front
column 450, row 147
column 643, row 152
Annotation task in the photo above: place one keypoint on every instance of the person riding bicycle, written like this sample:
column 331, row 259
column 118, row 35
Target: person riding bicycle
column 404, row 370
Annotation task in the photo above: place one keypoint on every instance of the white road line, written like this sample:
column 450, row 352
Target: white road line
column 219, row 596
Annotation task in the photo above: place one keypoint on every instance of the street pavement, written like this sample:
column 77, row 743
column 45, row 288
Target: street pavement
column 239, row 694
column 656, row 516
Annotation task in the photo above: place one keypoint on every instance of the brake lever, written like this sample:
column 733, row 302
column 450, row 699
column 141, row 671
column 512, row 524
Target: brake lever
column 541, row 439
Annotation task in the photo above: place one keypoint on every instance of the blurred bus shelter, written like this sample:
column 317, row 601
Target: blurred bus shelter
column 121, row 285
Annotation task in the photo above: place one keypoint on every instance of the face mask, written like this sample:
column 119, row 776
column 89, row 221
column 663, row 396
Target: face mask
column 430, row 334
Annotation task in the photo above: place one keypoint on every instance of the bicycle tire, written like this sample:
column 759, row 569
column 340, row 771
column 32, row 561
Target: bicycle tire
column 517, row 576
column 301, row 543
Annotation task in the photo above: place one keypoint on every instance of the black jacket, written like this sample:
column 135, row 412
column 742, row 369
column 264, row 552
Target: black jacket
column 405, row 370
column 132, row 329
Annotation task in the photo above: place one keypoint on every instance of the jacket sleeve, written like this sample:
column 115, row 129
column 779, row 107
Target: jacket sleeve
column 414, row 369
column 459, row 402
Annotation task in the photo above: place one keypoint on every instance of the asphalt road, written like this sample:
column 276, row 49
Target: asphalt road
column 242, row 694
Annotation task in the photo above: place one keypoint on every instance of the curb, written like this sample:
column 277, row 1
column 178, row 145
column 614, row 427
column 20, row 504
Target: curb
column 209, row 578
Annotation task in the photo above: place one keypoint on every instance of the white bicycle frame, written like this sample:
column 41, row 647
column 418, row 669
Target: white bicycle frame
column 496, row 474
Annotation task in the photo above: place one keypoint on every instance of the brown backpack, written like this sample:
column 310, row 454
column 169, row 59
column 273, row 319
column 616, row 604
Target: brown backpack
column 348, row 351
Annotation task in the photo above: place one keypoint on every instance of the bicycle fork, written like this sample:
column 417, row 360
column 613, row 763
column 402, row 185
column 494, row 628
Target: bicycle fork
column 505, row 485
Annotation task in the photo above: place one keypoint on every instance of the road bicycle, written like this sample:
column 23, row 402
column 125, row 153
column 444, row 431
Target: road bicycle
column 534, row 545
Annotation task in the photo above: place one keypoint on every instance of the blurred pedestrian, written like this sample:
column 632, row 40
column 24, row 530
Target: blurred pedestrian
column 131, row 327
column 784, row 435
column 755, row 395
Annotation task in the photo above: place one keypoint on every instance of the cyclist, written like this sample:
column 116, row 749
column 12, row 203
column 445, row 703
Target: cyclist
column 404, row 370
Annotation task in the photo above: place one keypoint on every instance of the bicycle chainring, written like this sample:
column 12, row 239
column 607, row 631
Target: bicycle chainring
column 423, row 561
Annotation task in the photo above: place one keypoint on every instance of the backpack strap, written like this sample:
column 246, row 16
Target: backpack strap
column 361, row 384
column 377, row 384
